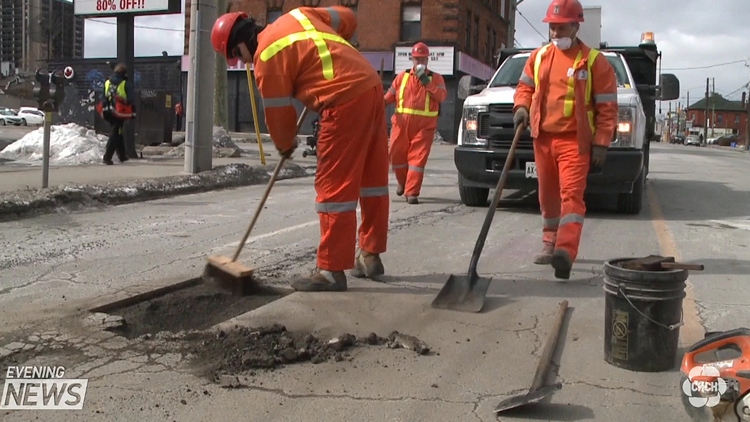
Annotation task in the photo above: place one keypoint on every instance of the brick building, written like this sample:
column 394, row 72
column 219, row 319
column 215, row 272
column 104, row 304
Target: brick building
column 723, row 115
column 463, row 35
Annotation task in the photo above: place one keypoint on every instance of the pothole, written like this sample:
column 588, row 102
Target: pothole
column 187, row 306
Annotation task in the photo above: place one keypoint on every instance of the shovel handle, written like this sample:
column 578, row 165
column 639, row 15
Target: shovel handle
column 681, row 266
column 545, row 361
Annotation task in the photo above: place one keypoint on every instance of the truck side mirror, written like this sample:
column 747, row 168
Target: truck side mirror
column 669, row 87
column 464, row 87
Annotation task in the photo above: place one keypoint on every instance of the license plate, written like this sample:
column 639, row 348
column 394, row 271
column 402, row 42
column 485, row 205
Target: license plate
column 531, row 170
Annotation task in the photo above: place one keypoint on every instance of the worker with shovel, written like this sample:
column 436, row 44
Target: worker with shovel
column 417, row 93
column 304, row 54
column 569, row 91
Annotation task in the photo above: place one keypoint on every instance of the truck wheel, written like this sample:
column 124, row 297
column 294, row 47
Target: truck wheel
column 632, row 203
column 471, row 196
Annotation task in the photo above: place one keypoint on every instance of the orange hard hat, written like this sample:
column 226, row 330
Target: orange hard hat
column 564, row 11
column 221, row 34
column 420, row 49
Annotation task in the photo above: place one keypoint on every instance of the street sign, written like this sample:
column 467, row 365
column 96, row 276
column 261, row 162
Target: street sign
column 104, row 8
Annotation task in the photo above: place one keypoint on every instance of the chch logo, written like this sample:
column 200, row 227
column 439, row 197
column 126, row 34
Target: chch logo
column 557, row 10
column 704, row 386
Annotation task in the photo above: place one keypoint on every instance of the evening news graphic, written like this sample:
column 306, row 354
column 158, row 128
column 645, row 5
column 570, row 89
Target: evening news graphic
column 42, row 388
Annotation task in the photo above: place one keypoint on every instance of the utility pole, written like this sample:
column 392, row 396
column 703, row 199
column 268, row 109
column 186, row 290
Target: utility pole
column 686, row 112
column 705, row 115
column 713, row 85
column 221, row 105
column 747, row 118
column 200, row 88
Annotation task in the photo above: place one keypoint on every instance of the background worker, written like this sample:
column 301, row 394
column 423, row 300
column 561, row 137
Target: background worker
column 417, row 93
column 570, row 92
column 329, row 76
column 117, row 107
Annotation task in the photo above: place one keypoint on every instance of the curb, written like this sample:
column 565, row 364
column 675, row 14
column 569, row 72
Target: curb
column 59, row 199
column 730, row 149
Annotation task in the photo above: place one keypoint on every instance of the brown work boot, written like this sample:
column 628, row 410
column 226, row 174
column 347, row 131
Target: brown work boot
column 562, row 263
column 400, row 190
column 368, row 265
column 321, row 281
column 545, row 256
column 412, row 200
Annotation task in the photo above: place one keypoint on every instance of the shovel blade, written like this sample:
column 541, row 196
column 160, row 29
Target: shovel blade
column 528, row 398
column 459, row 294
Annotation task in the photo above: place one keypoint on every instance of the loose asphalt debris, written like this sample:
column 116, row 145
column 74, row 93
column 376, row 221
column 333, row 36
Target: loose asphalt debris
column 27, row 203
column 224, row 355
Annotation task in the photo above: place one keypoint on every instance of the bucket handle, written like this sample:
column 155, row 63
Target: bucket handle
column 670, row 327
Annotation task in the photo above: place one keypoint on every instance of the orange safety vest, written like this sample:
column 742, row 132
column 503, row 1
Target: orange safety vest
column 426, row 112
column 579, row 97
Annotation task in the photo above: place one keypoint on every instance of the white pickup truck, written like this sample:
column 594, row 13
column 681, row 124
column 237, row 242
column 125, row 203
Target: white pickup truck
column 486, row 130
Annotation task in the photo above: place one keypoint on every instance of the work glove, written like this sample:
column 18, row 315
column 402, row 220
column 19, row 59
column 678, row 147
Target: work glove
column 521, row 118
column 598, row 155
column 288, row 153
column 420, row 71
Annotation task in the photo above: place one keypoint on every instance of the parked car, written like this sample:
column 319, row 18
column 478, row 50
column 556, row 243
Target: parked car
column 693, row 140
column 726, row 140
column 677, row 139
column 7, row 117
column 31, row 116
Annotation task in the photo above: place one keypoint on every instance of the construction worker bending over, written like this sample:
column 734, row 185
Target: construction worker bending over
column 305, row 54
column 417, row 93
column 570, row 92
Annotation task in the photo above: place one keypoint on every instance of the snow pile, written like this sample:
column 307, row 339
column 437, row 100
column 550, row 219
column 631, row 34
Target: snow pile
column 221, row 139
column 70, row 144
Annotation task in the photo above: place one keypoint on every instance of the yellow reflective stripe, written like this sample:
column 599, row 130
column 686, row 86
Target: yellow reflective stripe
column 590, row 113
column 537, row 62
column 569, row 97
column 309, row 33
column 403, row 110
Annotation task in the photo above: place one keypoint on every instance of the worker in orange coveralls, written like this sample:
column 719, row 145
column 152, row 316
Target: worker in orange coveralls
column 417, row 93
column 570, row 92
column 305, row 55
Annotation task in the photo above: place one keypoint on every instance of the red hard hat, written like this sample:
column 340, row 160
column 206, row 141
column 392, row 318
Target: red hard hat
column 420, row 50
column 564, row 11
column 222, row 32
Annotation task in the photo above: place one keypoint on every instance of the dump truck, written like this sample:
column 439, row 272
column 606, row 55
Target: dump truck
column 486, row 129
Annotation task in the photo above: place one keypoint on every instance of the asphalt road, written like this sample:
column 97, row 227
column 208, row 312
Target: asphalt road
column 54, row 267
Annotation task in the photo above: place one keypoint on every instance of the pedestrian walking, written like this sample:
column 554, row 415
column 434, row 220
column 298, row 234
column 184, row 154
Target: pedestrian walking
column 417, row 93
column 568, row 90
column 116, row 107
column 305, row 54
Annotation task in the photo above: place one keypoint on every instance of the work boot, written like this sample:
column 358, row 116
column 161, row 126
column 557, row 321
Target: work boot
column 412, row 200
column 399, row 190
column 545, row 256
column 321, row 281
column 108, row 162
column 562, row 263
column 368, row 265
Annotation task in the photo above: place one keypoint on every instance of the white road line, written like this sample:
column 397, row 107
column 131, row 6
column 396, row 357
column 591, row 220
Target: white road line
column 253, row 239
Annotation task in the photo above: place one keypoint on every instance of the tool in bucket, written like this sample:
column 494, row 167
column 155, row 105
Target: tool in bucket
column 539, row 390
column 467, row 292
column 715, row 377
column 255, row 112
column 227, row 272
column 659, row 263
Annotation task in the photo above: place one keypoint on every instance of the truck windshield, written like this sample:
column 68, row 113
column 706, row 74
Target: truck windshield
column 511, row 71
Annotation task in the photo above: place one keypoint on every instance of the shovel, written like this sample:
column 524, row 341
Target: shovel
column 539, row 390
column 466, row 293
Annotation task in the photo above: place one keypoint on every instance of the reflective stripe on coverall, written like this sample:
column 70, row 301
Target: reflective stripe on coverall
column 413, row 126
column 304, row 54
column 563, row 136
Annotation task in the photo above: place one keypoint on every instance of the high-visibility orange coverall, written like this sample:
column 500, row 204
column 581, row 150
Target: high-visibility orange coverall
column 572, row 100
column 413, row 126
column 304, row 54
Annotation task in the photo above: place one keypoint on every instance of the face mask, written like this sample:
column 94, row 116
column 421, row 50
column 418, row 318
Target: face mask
column 562, row 43
column 420, row 68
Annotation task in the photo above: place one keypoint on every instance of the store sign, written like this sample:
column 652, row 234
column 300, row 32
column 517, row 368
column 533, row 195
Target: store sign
column 441, row 60
column 120, row 7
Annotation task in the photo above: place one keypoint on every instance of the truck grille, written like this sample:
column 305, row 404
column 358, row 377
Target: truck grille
column 497, row 127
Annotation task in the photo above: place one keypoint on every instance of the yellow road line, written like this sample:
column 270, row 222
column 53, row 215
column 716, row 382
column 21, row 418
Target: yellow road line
column 693, row 330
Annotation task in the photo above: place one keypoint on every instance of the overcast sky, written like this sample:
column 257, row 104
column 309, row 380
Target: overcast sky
column 695, row 37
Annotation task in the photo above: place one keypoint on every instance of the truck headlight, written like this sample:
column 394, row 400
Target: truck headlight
column 470, row 126
column 625, row 134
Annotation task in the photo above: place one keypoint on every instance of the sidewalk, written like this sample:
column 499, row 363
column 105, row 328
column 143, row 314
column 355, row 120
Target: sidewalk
column 14, row 177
